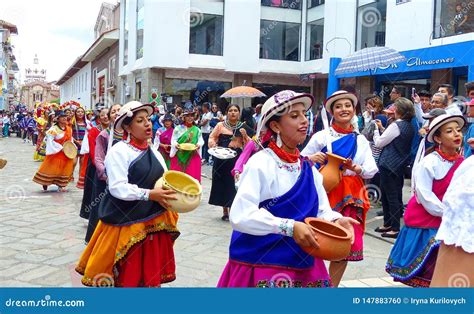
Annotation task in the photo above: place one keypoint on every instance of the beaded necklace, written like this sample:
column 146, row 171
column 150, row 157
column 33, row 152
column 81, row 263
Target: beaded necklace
column 231, row 128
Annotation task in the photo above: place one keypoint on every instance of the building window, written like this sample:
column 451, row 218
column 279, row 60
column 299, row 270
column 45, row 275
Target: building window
column 453, row 18
column 314, row 3
column 206, row 34
column 138, row 90
column 314, row 39
column 140, row 27
column 125, row 32
column 371, row 20
column 287, row 4
column 279, row 40
column 112, row 71
column 94, row 78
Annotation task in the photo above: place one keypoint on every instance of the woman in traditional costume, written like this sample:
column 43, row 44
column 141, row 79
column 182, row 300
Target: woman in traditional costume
column 278, row 190
column 132, row 245
column 456, row 252
column 92, row 135
column 349, row 197
column 412, row 259
column 226, row 134
column 42, row 126
column 163, row 137
column 79, row 128
column 103, row 141
column 184, row 160
column 56, row 167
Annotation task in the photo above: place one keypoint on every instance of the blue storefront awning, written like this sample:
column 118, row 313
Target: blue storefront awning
column 426, row 59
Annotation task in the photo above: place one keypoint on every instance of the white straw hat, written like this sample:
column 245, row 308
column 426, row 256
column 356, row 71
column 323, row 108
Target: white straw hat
column 128, row 109
column 441, row 120
column 279, row 102
column 340, row 94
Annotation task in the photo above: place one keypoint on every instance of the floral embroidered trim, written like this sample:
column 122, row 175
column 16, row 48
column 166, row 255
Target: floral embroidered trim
column 322, row 283
column 144, row 195
column 286, row 227
column 355, row 256
column 289, row 167
column 411, row 270
column 122, row 252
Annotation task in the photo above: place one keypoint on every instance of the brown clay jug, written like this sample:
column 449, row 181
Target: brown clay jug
column 332, row 173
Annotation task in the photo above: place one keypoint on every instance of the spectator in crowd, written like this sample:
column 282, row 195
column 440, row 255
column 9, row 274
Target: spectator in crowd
column 247, row 118
column 395, row 94
column 396, row 142
column 448, row 90
column 205, row 124
column 258, row 113
column 6, row 124
column 469, row 90
column 460, row 19
column 422, row 103
column 155, row 120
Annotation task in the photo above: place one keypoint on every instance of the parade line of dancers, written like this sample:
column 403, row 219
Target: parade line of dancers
column 266, row 189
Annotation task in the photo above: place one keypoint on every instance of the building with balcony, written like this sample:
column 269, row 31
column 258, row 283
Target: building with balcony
column 196, row 49
column 8, row 67
column 91, row 79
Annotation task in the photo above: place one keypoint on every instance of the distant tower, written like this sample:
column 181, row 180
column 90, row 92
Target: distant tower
column 35, row 72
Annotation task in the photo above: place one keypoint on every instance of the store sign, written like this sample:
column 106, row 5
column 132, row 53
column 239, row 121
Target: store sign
column 416, row 62
column 419, row 62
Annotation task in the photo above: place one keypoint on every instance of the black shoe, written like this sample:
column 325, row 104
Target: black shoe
column 390, row 234
column 225, row 218
column 380, row 213
column 383, row 229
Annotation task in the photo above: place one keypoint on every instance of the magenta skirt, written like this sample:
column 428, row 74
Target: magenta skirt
column 237, row 275
column 193, row 169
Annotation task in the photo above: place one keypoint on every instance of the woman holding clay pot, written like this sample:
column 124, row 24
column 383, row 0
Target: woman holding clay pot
column 349, row 196
column 278, row 190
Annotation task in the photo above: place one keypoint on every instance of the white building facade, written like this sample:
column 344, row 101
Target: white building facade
column 76, row 84
column 196, row 49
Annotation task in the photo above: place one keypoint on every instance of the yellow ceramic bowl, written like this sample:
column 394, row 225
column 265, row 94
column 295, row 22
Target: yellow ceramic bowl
column 188, row 190
column 187, row 146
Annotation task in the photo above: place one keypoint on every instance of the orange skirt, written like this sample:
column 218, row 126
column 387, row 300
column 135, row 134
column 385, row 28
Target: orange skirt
column 109, row 248
column 350, row 191
column 56, row 169
column 350, row 199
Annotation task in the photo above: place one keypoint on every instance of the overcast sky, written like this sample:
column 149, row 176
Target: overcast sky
column 58, row 31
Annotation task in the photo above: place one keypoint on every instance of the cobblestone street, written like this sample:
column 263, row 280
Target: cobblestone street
column 42, row 235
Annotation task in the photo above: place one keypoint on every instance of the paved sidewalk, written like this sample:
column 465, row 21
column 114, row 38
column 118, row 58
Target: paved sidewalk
column 42, row 235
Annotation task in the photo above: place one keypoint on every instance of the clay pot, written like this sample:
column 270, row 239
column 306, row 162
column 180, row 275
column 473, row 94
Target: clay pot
column 331, row 172
column 334, row 241
column 188, row 190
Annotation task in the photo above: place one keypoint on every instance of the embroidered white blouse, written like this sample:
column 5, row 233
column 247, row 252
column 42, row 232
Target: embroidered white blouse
column 54, row 133
column 117, row 162
column 266, row 177
column 363, row 156
column 457, row 225
column 431, row 167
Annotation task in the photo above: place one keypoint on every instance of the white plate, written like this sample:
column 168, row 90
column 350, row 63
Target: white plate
column 222, row 152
